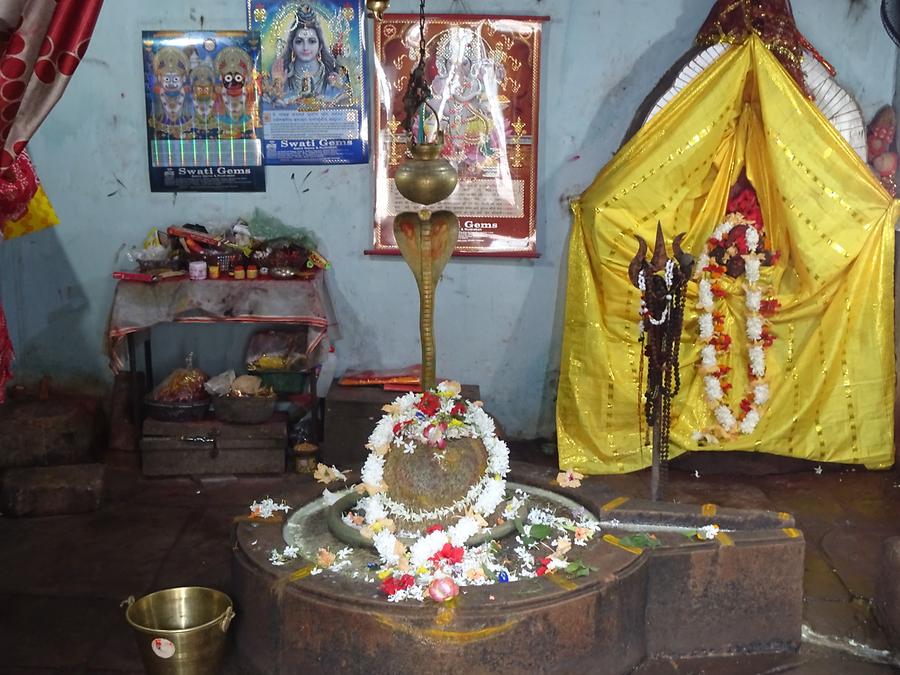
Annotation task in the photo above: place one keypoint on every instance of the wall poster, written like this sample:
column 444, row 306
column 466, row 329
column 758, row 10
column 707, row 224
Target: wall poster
column 314, row 80
column 485, row 75
column 203, row 131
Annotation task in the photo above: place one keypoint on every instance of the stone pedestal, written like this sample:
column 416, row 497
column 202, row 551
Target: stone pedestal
column 739, row 593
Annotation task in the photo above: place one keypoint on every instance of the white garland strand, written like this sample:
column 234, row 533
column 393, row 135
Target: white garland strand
column 755, row 324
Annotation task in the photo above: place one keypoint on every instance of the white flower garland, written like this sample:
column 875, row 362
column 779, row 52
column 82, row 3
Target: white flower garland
column 755, row 325
column 406, row 426
column 644, row 312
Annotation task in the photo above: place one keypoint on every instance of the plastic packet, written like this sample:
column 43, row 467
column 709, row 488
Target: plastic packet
column 277, row 350
column 182, row 384
column 220, row 385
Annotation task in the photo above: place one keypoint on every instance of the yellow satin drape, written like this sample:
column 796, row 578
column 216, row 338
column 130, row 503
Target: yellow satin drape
column 831, row 369
column 38, row 216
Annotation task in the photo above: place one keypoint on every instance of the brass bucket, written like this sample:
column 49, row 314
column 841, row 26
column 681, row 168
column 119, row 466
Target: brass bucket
column 181, row 631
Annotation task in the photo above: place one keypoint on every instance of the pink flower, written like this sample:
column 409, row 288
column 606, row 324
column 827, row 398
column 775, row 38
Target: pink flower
column 443, row 589
column 434, row 435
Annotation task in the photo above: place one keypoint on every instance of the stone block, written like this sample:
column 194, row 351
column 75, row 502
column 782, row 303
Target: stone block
column 42, row 433
column 887, row 591
column 54, row 490
column 741, row 598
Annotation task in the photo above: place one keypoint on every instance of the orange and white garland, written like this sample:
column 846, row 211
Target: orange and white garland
column 711, row 324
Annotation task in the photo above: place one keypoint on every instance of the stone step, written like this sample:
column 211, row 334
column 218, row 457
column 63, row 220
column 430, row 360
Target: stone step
column 52, row 490
column 61, row 430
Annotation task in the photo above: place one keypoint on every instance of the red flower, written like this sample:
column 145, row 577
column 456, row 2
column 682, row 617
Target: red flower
column 391, row 584
column 769, row 307
column 721, row 342
column 738, row 238
column 544, row 568
column 725, row 385
column 437, row 527
column 722, row 371
column 746, row 405
column 718, row 291
column 429, row 404
column 458, row 409
column 398, row 427
column 449, row 552
column 743, row 201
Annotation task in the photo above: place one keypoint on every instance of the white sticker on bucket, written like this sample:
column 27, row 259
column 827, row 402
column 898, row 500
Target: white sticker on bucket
column 162, row 648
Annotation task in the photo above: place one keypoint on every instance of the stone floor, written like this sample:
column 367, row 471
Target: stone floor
column 64, row 578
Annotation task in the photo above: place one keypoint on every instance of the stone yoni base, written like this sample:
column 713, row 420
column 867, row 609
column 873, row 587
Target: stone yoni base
column 739, row 593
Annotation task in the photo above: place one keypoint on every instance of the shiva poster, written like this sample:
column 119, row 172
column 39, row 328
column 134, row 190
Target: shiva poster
column 484, row 74
column 313, row 76
column 203, row 126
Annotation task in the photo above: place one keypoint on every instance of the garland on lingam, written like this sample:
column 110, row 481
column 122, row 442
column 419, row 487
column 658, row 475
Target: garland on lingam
column 736, row 248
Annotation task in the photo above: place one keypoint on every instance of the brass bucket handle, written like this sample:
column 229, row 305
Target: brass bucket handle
column 226, row 621
column 127, row 602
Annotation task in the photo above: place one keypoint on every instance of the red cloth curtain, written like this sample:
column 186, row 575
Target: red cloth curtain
column 41, row 44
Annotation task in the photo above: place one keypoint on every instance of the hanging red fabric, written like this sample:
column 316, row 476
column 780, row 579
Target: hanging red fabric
column 37, row 59
column 41, row 44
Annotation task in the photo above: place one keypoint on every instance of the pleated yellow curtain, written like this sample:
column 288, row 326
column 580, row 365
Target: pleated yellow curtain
column 830, row 370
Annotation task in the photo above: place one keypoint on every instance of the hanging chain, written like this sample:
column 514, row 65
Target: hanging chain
column 419, row 91
column 421, row 32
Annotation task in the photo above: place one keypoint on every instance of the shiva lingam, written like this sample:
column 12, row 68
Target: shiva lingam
column 663, row 284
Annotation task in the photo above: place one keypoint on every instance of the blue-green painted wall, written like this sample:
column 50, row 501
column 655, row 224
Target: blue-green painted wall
column 499, row 322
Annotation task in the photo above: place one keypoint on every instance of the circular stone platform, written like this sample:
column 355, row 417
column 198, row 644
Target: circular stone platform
column 291, row 621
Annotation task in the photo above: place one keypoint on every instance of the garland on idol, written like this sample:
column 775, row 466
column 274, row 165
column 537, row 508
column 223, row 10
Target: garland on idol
column 734, row 249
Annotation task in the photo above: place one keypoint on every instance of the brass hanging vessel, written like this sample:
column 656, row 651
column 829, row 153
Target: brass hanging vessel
column 427, row 177
column 426, row 239
column 377, row 8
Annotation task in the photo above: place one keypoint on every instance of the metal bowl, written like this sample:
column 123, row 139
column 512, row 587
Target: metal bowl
column 282, row 273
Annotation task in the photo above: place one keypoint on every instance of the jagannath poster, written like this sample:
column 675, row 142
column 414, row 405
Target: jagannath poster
column 485, row 76
column 313, row 79
column 203, row 130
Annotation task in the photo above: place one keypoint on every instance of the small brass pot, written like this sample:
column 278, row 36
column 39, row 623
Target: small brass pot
column 377, row 7
column 427, row 177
